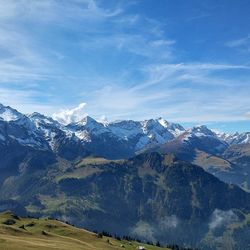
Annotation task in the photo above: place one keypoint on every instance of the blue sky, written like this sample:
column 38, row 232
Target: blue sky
column 184, row 60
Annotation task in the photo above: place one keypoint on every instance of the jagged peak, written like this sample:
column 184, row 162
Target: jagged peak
column 151, row 123
column 163, row 122
column 87, row 120
column 203, row 129
column 8, row 107
column 7, row 113
column 40, row 116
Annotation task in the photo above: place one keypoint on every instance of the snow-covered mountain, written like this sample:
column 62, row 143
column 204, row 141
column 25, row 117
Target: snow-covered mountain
column 113, row 140
column 202, row 138
column 17, row 127
column 49, row 129
column 141, row 132
column 125, row 136
column 144, row 133
column 236, row 138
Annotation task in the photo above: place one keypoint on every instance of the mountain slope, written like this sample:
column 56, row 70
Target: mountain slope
column 204, row 148
column 197, row 138
column 150, row 196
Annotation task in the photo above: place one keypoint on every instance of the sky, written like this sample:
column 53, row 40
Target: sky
column 184, row 60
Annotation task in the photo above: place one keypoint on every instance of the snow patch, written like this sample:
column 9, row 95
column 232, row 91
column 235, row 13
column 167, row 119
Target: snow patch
column 8, row 115
column 2, row 138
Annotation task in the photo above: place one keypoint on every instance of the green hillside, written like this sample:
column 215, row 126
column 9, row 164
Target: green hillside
column 18, row 233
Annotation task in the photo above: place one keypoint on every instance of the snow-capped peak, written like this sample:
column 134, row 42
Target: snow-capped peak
column 163, row 122
column 41, row 119
column 39, row 130
column 125, row 129
column 236, row 138
column 202, row 130
column 86, row 127
column 9, row 114
column 87, row 120
column 87, row 124
column 175, row 128
column 197, row 131
column 20, row 128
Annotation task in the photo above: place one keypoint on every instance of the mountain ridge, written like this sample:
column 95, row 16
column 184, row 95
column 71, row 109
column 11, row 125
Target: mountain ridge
column 159, row 129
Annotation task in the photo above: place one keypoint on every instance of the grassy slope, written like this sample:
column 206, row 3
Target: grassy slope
column 48, row 234
column 207, row 161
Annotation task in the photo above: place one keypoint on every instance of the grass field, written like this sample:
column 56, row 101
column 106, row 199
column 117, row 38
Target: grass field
column 28, row 233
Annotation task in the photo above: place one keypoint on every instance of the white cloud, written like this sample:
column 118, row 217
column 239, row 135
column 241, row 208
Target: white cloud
column 66, row 116
column 143, row 230
column 172, row 74
column 51, row 10
column 119, row 102
column 23, row 51
column 221, row 218
column 168, row 222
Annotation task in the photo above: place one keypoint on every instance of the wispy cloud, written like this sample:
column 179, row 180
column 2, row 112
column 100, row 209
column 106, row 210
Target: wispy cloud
column 120, row 61
column 135, row 44
column 179, row 92
column 239, row 42
column 199, row 16
column 202, row 73
column 242, row 44
column 28, row 100
column 51, row 10
column 26, row 57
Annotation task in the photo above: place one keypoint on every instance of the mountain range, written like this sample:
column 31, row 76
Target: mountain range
column 152, row 179
column 224, row 155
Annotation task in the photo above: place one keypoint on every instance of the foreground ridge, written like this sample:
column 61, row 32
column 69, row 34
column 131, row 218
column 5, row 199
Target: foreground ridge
column 21, row 233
